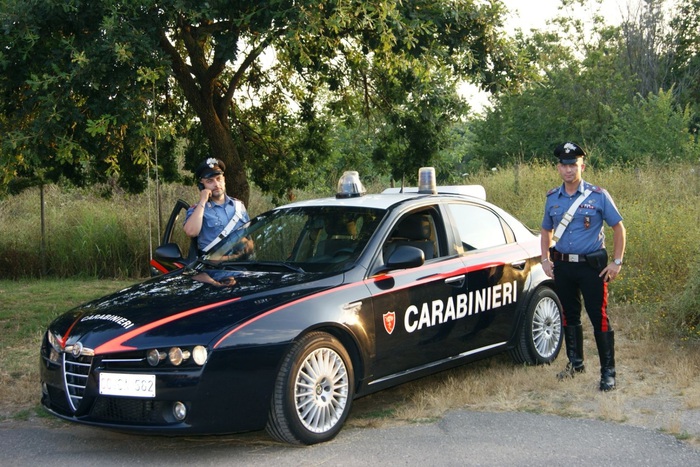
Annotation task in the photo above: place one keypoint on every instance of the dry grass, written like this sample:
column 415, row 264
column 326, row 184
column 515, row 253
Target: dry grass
column 658, row 388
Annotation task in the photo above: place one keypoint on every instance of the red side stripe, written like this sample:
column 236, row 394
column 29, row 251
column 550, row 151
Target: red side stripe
column 604, row 324
column 116, row 345
column 378, row 278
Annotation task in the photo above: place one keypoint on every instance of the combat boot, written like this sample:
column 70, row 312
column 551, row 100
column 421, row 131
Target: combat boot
column 573, row 340
column 606, row 351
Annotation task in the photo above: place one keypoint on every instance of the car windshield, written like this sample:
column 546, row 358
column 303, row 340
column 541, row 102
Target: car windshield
column 302, row 239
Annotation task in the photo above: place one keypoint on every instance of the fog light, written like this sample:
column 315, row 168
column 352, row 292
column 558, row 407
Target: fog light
column 179, row 411
column 199, row 355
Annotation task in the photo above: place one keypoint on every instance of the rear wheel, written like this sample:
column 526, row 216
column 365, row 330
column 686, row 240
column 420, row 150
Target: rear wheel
column 313, row 391
column 540, row 335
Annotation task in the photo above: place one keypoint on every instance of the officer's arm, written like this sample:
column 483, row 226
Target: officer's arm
column 619, row 240
column 193, row 225
column 545, row 243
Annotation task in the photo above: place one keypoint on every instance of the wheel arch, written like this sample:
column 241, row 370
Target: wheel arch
column 349, row 341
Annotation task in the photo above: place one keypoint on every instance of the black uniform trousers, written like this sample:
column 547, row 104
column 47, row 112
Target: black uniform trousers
column 576, row 280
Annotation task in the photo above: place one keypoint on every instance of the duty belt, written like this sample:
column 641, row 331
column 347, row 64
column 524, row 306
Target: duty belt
column 568, row 257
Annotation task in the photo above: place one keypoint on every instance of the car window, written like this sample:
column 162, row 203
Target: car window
column 417, row 229
column 478, row 227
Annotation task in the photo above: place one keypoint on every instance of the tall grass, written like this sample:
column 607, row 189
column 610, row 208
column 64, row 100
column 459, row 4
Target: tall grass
column 87, row 235
column 661, row 210
column 91, row 236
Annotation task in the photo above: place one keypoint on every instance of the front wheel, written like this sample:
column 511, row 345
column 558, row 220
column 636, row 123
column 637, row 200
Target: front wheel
column 539, row 338
column 313, row 391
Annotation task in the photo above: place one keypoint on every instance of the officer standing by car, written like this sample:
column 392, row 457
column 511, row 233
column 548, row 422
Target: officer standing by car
column 573, row 222
column 215, row 210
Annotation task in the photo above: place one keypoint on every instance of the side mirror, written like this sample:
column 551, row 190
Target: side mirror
column 169, row 252
column 405, row 257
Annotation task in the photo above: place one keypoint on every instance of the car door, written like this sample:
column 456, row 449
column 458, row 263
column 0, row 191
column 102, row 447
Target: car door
column 416, row 309
column 176, row 249
column 496, row 268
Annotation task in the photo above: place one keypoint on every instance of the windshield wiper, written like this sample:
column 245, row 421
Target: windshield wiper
column 263, row 265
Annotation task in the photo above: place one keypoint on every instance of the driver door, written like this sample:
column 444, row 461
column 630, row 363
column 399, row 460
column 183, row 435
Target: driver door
column 168, row 256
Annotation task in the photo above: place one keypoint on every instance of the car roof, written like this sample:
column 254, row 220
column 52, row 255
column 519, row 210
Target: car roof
column 393, row 196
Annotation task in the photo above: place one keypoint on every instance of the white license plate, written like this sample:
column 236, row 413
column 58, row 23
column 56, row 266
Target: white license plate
column 121, row 384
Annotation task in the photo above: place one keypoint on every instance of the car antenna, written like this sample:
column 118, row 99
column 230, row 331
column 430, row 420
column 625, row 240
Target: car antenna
column 403, row 179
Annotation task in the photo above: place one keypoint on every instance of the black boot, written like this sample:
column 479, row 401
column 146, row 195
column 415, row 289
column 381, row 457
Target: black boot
column 573, row 339
column 606, row 351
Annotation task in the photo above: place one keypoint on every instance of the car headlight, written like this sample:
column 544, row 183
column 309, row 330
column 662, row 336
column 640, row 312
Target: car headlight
column 154, row 357
column 53, row 340
column 199, row 355
column 178, row 355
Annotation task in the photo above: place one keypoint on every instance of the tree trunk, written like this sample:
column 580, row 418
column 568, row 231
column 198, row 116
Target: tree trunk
column 223, row 147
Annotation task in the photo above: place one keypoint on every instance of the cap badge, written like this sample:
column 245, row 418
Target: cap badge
column 569, row 147
column 211, row 162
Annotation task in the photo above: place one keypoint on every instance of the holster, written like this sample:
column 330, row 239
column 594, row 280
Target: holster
column 598, row 259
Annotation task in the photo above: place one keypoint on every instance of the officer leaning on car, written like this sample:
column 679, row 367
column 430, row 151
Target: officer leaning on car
column 215, row 210
column 573, row 222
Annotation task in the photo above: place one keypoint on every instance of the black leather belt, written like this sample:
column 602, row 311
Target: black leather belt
column 568, row 257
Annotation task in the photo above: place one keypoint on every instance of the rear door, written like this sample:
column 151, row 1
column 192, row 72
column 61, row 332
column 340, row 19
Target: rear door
column 496, row 268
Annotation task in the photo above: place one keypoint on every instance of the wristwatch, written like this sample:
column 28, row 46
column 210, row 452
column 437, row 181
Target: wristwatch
column 618, row 262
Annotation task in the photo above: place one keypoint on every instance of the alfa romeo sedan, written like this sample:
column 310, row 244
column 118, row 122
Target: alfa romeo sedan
column 283, row 323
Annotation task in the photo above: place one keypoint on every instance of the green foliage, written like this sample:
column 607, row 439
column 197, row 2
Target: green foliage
column 652, row 129
column 611, row 89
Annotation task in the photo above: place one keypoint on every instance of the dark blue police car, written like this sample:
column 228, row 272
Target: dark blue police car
column 286, row 321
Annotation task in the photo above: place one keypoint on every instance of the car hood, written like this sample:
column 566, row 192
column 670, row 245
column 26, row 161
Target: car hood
column 185, row 305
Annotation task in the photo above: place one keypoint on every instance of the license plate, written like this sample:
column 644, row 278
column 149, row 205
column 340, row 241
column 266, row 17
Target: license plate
column 122, row 384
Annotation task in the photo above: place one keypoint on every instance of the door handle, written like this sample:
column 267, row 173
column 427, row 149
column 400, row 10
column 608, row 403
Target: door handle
column 456, row 281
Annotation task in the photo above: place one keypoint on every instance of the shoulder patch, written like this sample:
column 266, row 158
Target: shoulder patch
column 553, row 190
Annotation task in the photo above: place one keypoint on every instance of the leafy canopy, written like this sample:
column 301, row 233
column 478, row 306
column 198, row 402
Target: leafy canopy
column 93, row 89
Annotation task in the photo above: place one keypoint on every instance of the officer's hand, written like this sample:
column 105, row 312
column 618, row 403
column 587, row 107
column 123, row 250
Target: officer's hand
column 204, row 195
column 610, row 272
column 548, row 268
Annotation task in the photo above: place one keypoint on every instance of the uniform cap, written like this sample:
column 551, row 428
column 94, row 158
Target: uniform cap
column 568, row 153
column 211, row 167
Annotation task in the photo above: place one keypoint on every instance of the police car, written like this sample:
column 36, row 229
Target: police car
column 309, row 306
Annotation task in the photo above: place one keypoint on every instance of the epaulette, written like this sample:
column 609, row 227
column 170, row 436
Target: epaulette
column 553, row 190
column 594, row 188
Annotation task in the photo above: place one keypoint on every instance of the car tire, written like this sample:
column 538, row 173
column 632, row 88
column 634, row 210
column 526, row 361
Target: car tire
column 313, row 392
column 540, row 336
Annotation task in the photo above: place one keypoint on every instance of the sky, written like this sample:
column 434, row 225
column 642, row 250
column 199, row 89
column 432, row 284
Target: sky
column 527, row 14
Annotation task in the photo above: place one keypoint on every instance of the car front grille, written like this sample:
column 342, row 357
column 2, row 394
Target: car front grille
column 75, row 377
